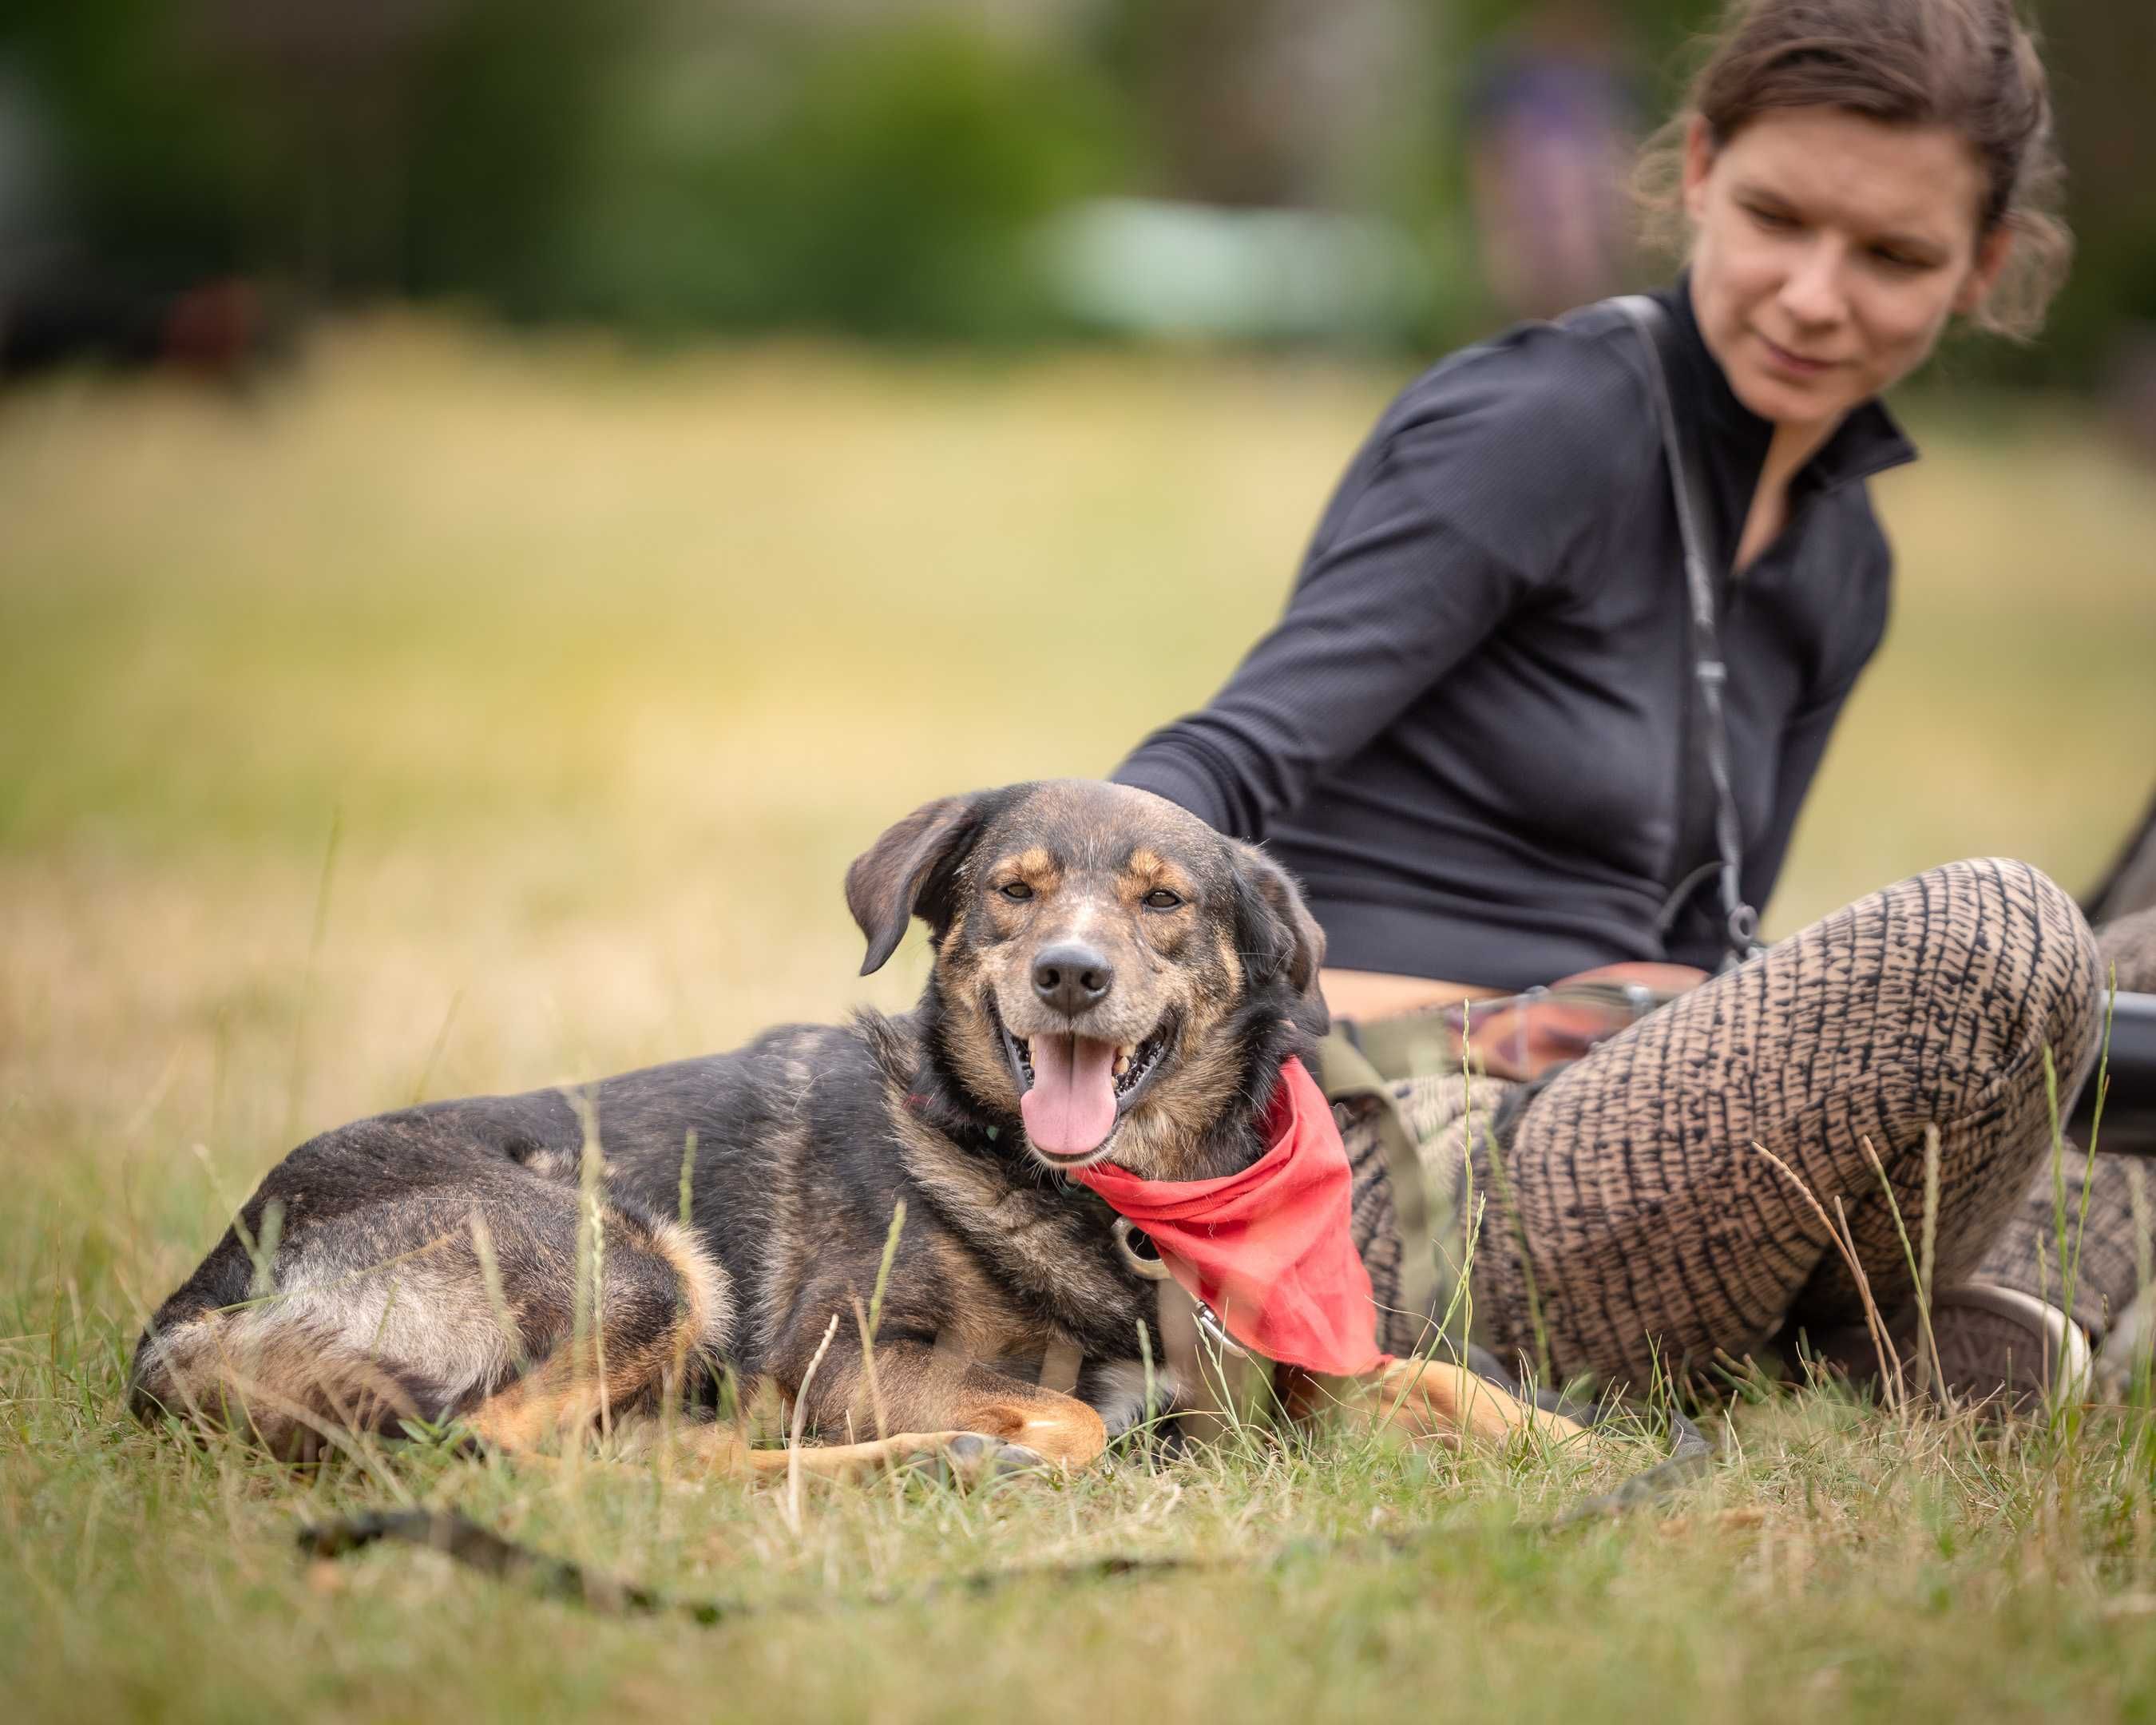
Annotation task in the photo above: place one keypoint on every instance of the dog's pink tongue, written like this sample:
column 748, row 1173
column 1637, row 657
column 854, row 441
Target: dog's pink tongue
column 1071, row 1108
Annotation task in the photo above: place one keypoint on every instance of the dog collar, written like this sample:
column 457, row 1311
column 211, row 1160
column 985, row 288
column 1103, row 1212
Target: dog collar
column 1269, row 1250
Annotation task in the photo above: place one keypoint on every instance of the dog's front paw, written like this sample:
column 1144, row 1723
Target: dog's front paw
column 972, row 1459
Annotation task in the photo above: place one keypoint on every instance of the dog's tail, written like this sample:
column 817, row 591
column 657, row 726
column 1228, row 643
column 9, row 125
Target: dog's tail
column 297, row 1389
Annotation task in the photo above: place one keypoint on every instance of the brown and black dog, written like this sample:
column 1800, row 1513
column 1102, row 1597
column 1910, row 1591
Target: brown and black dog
column 1111, row 979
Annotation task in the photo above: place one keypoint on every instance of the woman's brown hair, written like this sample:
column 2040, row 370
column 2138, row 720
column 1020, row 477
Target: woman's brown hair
column 1968, row 65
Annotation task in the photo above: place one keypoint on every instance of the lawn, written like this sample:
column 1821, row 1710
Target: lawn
column 460, row 713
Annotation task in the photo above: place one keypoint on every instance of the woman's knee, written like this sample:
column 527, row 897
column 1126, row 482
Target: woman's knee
column 2000, row 937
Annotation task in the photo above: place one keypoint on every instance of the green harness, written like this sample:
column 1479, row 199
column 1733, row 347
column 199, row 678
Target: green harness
column 1368, row 1067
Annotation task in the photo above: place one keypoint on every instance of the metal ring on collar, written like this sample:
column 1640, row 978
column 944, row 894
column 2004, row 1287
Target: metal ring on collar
column 1138, row 1250
column 1143, row 1256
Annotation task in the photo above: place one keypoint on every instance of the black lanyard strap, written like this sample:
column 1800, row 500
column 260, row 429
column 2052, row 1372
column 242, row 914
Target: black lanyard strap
column 1740, row 921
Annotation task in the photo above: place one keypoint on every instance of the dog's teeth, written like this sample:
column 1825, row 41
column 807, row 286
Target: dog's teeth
column 1123, row 1064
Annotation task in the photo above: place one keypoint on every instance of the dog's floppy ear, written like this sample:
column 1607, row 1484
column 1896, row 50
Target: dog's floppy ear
column 907, row 871
column 1281, row 934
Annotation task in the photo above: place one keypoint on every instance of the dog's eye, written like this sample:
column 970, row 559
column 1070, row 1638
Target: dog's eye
column 1015, row 891
column 1161, row 899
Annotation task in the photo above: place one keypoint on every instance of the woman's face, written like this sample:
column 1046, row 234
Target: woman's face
column 1828, row 251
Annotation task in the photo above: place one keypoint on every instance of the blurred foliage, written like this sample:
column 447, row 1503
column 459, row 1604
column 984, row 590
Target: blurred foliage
column 680, row 164
column 663, row 166
column 165, row 170
column 885, row 181
column 409, row 146
column 2102, row 59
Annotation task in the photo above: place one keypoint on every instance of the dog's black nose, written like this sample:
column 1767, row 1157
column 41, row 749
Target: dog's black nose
column 1071, row 976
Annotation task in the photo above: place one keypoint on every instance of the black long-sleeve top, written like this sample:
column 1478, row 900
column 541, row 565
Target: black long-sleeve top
column 1469, row 734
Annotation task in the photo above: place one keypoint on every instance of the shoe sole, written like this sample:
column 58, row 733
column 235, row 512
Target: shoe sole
column 1996, row 1345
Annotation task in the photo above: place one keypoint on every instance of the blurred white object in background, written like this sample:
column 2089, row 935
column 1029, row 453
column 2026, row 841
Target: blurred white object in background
column 1147, row 267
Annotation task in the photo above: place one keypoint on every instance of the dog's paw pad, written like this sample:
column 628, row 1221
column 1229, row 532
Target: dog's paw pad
column 972, row 1458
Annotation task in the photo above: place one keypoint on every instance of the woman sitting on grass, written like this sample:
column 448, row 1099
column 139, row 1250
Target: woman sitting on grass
column 1482, row 735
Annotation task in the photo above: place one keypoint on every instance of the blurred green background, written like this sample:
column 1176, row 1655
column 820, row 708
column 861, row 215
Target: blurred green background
column 636, row 447
column 958, row 170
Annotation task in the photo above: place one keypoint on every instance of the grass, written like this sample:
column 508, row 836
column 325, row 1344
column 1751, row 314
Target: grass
column 599, row 669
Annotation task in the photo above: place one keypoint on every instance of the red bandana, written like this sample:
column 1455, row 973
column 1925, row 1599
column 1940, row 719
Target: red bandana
column 1268, row 1249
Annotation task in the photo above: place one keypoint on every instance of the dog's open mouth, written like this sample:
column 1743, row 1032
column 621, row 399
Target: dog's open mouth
column 1073, row 1089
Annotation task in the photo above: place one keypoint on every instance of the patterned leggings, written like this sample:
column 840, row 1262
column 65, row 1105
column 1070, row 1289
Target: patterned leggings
column 1633, row 1220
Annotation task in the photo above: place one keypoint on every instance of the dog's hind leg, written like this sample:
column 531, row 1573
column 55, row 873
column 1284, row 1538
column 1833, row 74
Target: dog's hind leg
column 423, row 1280
column 941, row 1401
column 661, row 1309
column 920, row 1386
column 293, row 1387
column 969, row 1455
column 946, row 1410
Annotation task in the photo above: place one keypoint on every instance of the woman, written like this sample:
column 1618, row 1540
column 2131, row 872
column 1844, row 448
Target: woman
column 1471, row 736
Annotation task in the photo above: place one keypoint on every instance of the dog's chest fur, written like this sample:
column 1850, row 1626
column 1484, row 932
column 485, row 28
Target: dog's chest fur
column 808, row 1143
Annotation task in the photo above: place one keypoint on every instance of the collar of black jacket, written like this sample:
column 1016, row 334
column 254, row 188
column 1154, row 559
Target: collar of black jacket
column 1867, row 441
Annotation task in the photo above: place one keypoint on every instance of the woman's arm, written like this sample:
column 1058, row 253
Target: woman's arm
column 1466, row 507
column 1376, row 618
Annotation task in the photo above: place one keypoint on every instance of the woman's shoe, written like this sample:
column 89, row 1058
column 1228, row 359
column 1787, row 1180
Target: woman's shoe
column 1999, row 1344
column 2000, row 1349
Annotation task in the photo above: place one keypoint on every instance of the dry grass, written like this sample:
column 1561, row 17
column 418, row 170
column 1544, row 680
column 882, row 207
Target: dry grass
column 602, row 669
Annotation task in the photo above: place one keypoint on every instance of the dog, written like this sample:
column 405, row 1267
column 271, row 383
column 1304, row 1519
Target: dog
column 1111, row 979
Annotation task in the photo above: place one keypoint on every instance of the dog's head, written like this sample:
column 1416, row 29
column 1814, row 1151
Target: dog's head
column 1109, row 969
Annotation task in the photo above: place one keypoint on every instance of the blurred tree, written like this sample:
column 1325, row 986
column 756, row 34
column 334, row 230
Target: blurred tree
column 2103, row 56
column 150, row 156
column 1206, row 77
column 1269, row 102
column 873, row 165
column 402, row 146
column 889, row 181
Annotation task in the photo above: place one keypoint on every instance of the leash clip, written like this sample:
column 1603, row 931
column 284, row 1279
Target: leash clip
column 1209, row 1321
